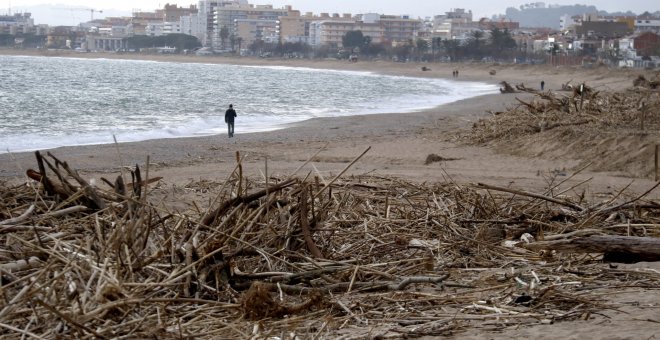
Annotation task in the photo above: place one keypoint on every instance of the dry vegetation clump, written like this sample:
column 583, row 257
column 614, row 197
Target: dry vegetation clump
column 596, row 112
column 641, row 81
column 360, row 256
column 578, row 126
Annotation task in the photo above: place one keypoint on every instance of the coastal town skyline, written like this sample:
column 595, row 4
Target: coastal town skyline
column 52, row 12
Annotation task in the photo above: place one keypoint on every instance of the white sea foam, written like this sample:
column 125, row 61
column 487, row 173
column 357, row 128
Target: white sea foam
column 309, row 70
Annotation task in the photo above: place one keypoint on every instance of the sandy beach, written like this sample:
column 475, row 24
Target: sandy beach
column 398, row 145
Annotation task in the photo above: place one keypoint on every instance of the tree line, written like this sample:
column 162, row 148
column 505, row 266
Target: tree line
column 181, row 42
column 496, row 44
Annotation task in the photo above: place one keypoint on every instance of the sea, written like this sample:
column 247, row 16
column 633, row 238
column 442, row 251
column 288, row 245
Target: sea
column 47, row 102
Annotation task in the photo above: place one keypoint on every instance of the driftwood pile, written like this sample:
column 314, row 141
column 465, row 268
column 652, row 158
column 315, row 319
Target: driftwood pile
column 632, row 110
column 641, row 81
column 506, row 87
column 354, row 257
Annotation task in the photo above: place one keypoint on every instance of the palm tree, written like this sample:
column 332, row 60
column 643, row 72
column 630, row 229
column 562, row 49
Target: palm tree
column 452, row 48
column 436, row 43
column 239, row 40
column 501, row 40
column 474, row 44
column 477, row 36
column 232, row 41
column 224, row 34
column 422, row 47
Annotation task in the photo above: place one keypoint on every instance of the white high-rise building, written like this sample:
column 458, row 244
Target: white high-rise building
column 248, row 22
column 17, row 23
column 192, row 25
column 206, row 24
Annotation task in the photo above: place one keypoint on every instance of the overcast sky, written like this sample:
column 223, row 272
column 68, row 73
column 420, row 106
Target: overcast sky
column 417, row 8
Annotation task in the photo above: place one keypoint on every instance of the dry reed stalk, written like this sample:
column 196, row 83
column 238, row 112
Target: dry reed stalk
column 411, row 259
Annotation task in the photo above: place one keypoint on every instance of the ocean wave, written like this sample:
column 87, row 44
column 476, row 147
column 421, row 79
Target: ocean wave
column 69, row 101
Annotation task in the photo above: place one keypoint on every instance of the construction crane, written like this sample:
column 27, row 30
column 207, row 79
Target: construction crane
column 91, row 11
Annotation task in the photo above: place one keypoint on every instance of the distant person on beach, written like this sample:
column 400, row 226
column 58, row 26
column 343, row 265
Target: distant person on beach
column 230, row 114
column 542, row 85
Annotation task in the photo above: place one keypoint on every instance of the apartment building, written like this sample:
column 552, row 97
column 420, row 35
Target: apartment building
column 173, row 13
column 328, row 29
column 380, row 28
column 602, row 29
column 140, row 21
column 192, row 25
column 567, row 22
column 295, row 27
column 647, row 43
column 155, row 29
column 454, row 24
column 170, row 20
column 205, row 28
column 398, row 28
column 485, row 24
column 19, row 23
column 243, row 16
column 251, row 30
column 647, row 24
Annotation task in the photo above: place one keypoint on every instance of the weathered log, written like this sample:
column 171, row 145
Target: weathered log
column 626, row 247
column 507, row 88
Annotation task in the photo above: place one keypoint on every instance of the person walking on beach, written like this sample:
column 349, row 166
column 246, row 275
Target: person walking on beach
column 230, row 114
column 542, row 85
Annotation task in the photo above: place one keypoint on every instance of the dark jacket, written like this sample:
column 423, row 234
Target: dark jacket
column 230, row 114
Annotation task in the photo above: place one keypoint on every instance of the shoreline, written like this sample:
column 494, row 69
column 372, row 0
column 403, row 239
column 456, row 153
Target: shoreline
column 476, row 71
column 400, row 142
column 251, row 62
